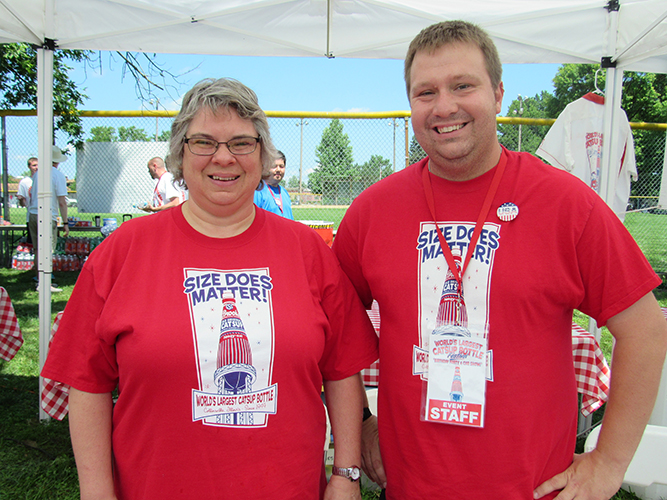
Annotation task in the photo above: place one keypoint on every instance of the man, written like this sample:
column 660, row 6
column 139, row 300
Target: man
column 58, row 204
column 23, row 193
column 546, row 244
column 166, row 194
column 273, row 197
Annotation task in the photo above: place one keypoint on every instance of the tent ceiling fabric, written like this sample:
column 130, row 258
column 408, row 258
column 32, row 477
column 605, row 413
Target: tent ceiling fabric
column 525, row 31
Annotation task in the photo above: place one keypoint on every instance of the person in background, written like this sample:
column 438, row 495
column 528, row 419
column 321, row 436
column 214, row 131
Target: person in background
column 487, row 249
column 167, row 193
column 59, row 204
column 23, row 192
column 219, row 390
column 272, row 196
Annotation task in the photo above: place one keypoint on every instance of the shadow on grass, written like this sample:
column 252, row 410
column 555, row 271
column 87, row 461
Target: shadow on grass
column 24, row 295
column 36, row 457
column 661, row 291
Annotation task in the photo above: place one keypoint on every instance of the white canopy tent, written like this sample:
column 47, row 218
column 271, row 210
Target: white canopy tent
column 625, row 34
column 549, row 31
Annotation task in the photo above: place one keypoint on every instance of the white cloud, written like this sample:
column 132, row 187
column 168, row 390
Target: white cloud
column 351, row 110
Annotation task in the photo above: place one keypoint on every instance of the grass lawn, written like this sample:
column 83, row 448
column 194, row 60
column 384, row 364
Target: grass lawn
column 301, row 212
column 326, row 214
column 36, row 460
column 650, row 232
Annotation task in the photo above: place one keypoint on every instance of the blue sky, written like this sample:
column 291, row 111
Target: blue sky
column 298, row 84
column 282, row 84
column 291, row 83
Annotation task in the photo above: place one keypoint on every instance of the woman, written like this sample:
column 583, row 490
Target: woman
column 219, row 383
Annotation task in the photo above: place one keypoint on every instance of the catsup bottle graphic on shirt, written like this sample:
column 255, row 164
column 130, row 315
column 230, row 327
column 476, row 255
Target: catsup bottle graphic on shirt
column 452, row 315
column 235, row 373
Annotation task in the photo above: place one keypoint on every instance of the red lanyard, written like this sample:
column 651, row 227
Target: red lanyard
column 278, row 199
column 486, row 206
column 157, row 197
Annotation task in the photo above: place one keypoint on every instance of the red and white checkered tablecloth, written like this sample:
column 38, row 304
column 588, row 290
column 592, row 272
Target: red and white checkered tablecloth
column 55, row 395
column 371, row 375
column 590, row 367
column 11, row 338
column 590, row 370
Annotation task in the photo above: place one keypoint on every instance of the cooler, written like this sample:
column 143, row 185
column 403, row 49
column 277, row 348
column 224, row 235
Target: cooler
column 323, row 228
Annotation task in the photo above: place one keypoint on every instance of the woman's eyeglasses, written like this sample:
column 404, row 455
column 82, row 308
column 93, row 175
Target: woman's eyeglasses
column 207, row 147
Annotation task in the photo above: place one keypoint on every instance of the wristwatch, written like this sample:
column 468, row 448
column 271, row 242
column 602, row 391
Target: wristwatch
column 352, row 473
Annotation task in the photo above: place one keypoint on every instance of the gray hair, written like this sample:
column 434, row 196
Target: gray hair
column 223, row 93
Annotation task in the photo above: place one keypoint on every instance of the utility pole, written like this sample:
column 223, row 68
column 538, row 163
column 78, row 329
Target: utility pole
column 301, row 124
column 520, row 115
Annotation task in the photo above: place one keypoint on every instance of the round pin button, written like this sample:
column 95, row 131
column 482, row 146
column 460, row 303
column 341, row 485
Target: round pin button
column 508, row 212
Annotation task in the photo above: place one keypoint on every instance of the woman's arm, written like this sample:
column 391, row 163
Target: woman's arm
column 345, row 406
column 90, row 430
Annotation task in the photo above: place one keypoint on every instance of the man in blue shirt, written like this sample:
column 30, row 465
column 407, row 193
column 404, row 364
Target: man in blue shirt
column 273, row 197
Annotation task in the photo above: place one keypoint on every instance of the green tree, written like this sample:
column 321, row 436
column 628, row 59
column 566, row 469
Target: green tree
column 18, row 81
column 102, row 134
column 334, row 175
column 132, row 134
column 373, row 170
column 164, row 136
column 293, row 182
column 531, row 135
column 644, row 97
column 18, row 85
column 416, row 152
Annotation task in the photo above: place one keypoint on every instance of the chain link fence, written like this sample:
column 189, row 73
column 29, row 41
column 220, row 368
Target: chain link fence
column 645, row 218
column 331, row 158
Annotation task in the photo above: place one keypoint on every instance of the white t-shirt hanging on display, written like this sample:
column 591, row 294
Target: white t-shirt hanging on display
column 574, row 143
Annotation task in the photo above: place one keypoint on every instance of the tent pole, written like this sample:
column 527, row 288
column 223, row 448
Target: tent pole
column 44, row 197
column 607, row 181
column 5, row 171
column 609, row 171
column 662, row 200
column 329, row 21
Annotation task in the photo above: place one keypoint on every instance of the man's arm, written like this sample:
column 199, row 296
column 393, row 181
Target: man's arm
column 90, row 430
column 344, row 404
column 173, row 202
column 23, row 194
column 640, row 332
column 62, row 205
column 371, row 460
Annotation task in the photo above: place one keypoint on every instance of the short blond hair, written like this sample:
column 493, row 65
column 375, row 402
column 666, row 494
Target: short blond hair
column 437, row 35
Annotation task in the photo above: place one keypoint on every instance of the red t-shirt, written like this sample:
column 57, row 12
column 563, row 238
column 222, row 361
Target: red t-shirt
column 565, row 250
column 216, row 400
